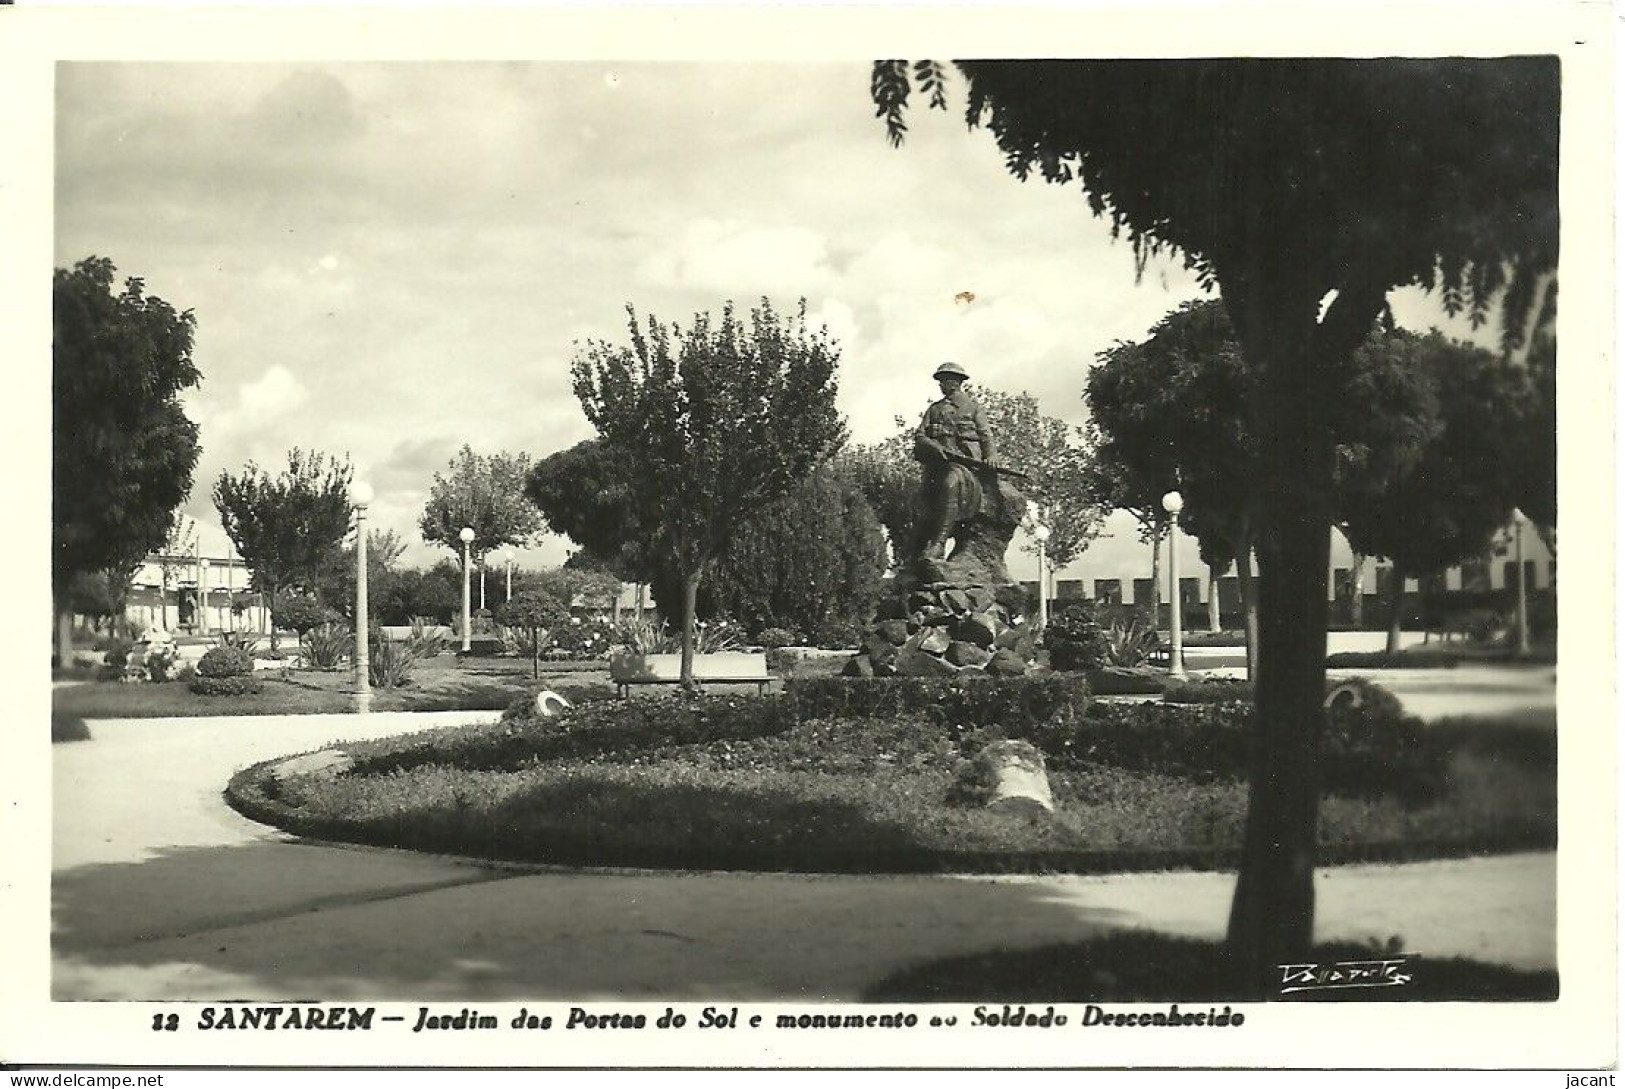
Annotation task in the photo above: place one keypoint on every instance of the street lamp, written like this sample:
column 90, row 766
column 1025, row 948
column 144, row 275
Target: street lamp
column 1523, row 586
column 1173, row 503
column 1041, row 535
column 203, row 593
column 511, row 556
column 467, row 537
column 361, row 496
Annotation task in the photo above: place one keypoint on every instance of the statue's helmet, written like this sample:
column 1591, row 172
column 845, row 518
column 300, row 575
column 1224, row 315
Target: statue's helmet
column 951, row 370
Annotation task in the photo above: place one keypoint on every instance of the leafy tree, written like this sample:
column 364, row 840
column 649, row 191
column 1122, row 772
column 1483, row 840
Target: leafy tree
column 122, row 449
column 534, row 612
column 889, row 478
column 719, row 420
column 288, row 528
column 1459, row 490
column 585, row 493
column 1305, row 190
column 811, row 562
column 486, row 493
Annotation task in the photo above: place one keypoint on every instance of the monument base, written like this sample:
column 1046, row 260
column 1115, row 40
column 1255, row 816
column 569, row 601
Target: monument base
column 942, row 629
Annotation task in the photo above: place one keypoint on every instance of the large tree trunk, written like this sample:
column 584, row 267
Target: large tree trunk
column 1396, row 608
column 691, row 596
column 1273, row 911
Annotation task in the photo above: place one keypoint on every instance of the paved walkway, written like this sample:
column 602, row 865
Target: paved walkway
column 162, row 892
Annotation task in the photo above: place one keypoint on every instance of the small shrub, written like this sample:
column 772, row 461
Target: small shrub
column 1127, row 681
column 1129, row 643
column 225, row 662
column 1075, row 639
column 581, row 639
column 225, row 686
column 718, row 635
column 271, row 654
column 117, row 653
column 771, row 639
column 187, row 673
column 160, row 662
column 839, row 634
column 237, row 640
column 328, row 645
column 389, row 663
column 643, row 636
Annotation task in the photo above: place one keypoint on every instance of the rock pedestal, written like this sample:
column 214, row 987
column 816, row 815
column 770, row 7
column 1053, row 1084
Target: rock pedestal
column 941, row 629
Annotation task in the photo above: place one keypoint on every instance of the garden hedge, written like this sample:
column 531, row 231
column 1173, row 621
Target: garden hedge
column 968, row 699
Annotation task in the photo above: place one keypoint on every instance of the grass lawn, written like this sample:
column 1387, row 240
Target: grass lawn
column 878, row 794
column 442, row 683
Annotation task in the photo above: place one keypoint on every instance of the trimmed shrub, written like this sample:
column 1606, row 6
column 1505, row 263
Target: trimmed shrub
column 225, row 662
column 1405, row 659
column 969, row 699
column 1210, row 690
column 1075, row 639
column 1127, row 680
column 772, row 639
column 296, row 612
column 593, row 727
column 117, row 653
column 225, row 686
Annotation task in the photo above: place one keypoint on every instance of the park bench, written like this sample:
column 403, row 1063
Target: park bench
column 628, row 669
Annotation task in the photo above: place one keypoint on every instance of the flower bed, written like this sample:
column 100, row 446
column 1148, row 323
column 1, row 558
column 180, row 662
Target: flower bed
column 858, row 776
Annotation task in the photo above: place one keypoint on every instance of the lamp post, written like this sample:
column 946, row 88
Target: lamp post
column 467, row 537
column 1523, row 585
column 510, row 557
column 361, row 496
column 203, row 593
column 1173, row 503
column 1040, row 534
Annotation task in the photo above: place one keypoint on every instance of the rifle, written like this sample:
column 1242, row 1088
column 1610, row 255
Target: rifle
column 982, row 466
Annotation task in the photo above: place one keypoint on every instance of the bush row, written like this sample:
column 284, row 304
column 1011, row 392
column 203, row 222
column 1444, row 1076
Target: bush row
column 1369, row 746
column 1405, row 659
column 979, row 699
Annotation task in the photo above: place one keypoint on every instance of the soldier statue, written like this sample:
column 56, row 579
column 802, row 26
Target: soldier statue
column 957, row 456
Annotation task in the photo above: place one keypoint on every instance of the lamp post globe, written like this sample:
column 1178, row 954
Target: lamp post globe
column 467, row 537
column 361, row 498
column 1173, row 503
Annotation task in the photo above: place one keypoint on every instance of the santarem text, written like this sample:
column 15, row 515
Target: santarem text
column 572, row 1018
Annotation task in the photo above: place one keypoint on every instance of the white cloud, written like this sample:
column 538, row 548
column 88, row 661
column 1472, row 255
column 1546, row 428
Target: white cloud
column 741, row 261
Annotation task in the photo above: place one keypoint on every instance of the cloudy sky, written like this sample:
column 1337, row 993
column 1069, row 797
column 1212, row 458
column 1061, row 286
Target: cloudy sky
column 390, row 260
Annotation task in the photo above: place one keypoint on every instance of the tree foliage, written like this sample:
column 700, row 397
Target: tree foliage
column 486, row 493
column 122, row 449
column 288, row 528
column 1305, row 190
column 810, row 563
column 585, row 493
column 710, row 424
column 1459, row 490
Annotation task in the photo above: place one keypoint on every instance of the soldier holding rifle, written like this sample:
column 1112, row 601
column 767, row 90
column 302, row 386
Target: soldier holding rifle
column 955, row 448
